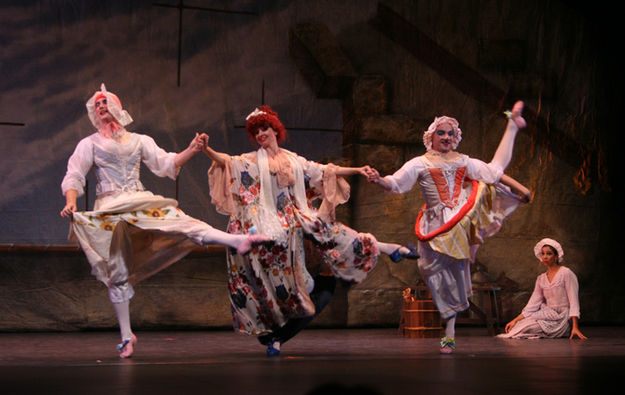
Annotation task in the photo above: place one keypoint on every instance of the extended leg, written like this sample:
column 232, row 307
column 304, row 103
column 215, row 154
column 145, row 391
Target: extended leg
column 242, row 243
column 503, row 155
column 397, row 252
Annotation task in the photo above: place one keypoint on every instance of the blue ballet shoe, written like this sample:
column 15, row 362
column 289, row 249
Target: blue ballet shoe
column 397, row 256
column 271, row 351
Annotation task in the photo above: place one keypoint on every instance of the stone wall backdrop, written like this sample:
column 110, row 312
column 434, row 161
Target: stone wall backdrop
column 355, row 82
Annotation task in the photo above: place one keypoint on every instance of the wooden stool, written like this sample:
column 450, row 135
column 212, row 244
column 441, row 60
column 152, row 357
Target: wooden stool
column 487, row 307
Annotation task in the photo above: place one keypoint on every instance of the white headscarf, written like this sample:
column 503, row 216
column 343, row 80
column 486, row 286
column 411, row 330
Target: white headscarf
column 548, row 242
column 114, row 106
column 427, row 135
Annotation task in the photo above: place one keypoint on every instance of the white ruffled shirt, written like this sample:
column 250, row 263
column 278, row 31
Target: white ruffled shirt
column 117, row 166
column 417, row 170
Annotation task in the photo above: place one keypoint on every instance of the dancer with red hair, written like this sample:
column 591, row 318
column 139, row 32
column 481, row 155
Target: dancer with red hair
column 466, row 201
column 271, row 191
column 132, row 233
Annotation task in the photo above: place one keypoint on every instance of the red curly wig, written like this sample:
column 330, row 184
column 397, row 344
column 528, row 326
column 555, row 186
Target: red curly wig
column 269, row 118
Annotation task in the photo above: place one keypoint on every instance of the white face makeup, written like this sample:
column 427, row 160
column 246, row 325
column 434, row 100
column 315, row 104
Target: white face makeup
column 442, row 138
column 265, row 136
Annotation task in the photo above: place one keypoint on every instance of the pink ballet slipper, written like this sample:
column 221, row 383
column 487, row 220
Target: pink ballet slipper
column 448, row 345
column 251, row 240
column 446, row 350
column 126, row 348
column 516, row 115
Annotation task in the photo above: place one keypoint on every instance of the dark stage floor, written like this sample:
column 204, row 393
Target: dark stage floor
column 376, row 361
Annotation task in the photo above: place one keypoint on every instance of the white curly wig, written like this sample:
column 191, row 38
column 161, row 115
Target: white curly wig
column 427, row 135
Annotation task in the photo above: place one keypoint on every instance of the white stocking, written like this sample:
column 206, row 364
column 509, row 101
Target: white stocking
column 503, row 155
column 450, row 329
column 123, row 317
column 215, row 236
column 389, row 248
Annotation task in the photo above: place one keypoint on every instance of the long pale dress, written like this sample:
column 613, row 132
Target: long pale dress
column 548, row 312
column 464, row 204
column 271, row 285
column 132, row 233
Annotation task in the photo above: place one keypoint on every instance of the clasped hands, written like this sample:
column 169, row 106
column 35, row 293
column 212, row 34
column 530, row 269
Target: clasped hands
column 370, row 173
column 199, row 142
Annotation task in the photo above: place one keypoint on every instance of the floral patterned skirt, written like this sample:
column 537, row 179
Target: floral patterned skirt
column 271, row 285
column 134, row 237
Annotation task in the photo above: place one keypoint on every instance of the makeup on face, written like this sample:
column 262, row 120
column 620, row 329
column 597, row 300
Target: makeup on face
column 441, row 132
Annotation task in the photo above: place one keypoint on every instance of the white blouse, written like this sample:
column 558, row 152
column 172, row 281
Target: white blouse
column 559, row 294
column 117, row 166
column 439, row 211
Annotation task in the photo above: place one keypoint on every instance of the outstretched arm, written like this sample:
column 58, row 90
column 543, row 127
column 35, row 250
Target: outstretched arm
column 375, row 178
column 218, row 157
column 364, row 171
column 194, row 147
column 518, row 188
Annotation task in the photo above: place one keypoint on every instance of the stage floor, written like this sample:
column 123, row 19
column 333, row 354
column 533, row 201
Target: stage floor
column 362, row 361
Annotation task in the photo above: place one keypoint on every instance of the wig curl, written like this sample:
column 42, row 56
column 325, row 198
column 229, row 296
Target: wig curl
column 264, row 116
column 427, row 135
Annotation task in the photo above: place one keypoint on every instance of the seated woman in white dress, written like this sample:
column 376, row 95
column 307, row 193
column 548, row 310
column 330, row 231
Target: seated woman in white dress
column 553, row 308
column 132, row 233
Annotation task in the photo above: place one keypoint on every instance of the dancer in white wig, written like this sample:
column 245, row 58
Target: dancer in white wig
column 465, row 202
column 132, row 233
column 271, row 190
column 553, row 308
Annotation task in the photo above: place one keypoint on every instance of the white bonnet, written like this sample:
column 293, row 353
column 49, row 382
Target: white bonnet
column 550, row 242
column 114, row 106
column 427, row 135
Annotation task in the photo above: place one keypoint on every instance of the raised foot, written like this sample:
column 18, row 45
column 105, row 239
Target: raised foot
column 408, row 251
column 515, row 114
column 248, row 243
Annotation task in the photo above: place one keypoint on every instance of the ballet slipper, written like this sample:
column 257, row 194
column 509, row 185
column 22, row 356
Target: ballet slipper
column 448, row 345
column 273, row 349
column 397, row 255
column 126, row 348
column 515, row 115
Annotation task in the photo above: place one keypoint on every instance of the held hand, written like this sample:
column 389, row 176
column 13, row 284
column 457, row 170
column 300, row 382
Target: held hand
column 578, row 333
column 68, row 210
column 197, row 143
column 364, row 171
column 205, row 140
column 373, row 176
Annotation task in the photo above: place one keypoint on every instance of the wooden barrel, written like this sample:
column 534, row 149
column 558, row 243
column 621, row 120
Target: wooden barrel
column 420, row 319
